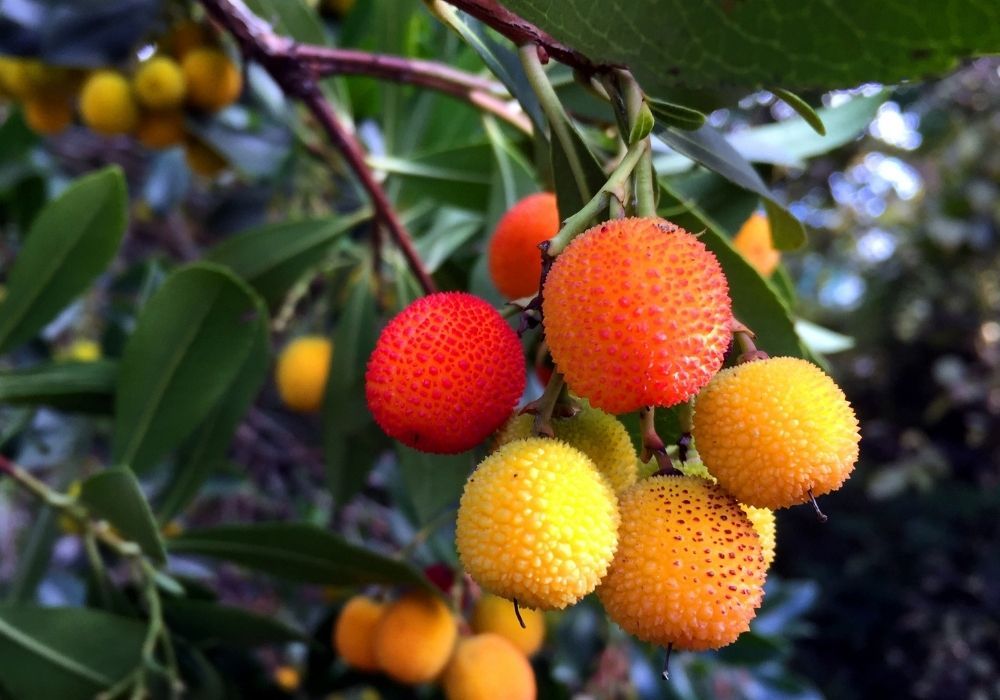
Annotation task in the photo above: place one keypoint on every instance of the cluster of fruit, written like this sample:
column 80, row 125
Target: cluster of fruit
column 188, row 75
column 416, row 639
column 636, row 314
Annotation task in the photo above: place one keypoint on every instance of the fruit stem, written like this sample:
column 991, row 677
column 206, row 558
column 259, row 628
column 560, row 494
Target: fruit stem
column 545, row 406
column 580, row 221
column 685, row 416
column 820, row 515
column 517, row 614
column 744, row 338
column 652, row 443
column 666, row 662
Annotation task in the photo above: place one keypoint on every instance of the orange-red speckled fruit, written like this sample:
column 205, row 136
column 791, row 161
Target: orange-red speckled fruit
column 514, row 258
column 446, row 373
column 689, row 570
column 637, row 313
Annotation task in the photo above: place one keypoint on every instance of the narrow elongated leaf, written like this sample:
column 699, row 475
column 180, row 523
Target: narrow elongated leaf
column 803, row 109
column 71, row 242
column 574, row 190
column 189, row 344
column 115, row 496
column 676, row 115
column 710, row 148
column 204, row 623
column 433, row 482
column 65, row 653
column 297, row 552
column 68, row 386
column 274, row 257
column 207, row 448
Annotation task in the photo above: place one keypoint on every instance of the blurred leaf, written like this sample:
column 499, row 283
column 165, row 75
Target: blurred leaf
column 803, row 109
column 208, row 446
column 750, row 649
column 790, row 141
column 822, row 340
column 784, row 602
column 206, row 623
column 433, row 482
column 457, row 175
column 66, row 386
column 450, row 229
column 710, row 148
column 298, row 552
column 676, row 115
column 34, row 556
column 573, row 190
column 115, row 496
column 71, row 242
column 349, row 457
column 273, row 257
column 292, row 17
column 513, row 177
column 823, row 45
column 256, row 145
column 65, row 653
column 190, row 342
column 168, row 181
column 16, row 140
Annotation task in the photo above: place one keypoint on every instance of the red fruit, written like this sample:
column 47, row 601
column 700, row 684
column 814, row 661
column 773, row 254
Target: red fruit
column 445, row 374
column 514, row 258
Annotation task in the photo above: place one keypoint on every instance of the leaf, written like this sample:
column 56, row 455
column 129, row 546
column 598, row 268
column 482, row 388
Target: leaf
column 449, row 231
column 207, row 623
column 823, row 340
column 573, row 190
column 676, row 115
column 749, row 44
column 272, row 258
column 189, row 343
column 65, row 653
column 802, row 108
column 87, row 387
column 115, row 495
column 433, row 482
column 710, row 148
column 298, row 552
column 208, row 446
column 71, row 242
column 791, row 141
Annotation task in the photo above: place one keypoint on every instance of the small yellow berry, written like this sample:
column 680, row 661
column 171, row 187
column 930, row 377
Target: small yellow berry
column 415, row 638
column 354, row 633
column 159, row 83
column 488, row 667
column 213, row 81
column 495, row 614
column 287, row 678
column 48, row 114
column 107, row 105
column 302, row 371
column 158, row 130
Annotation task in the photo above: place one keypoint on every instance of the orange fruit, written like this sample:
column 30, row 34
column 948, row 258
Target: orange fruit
column 515, row 262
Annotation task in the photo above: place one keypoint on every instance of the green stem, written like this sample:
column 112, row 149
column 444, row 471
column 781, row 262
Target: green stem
column 581, row 220
column 635, row 106
column 558, row 119
column 97, row 567
column 546, row 405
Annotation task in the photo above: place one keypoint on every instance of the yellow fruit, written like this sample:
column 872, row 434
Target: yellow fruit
column 689, row 570
column 184, row 37
column 496, row 615
column 202, row 158
column 160, row 129
column 354, row 633
column 415, row 638
column 82, row 351
column 537, row 523
column 213, row 81
column 287, row 678
column 302, row 371
column 24, row 78
column 48, row 114
column 67, row 523
column 159, row 83
column 107, row 105
column 762, row 520
column 488, row 667
column 597, row 434
column 754, row 242
column 772, row 430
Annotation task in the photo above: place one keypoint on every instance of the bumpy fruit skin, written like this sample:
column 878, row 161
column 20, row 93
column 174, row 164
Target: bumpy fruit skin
column 107, row 105
column 753, row 241
column 637, row 313
column 773, row 429
column 213, row 81
column 689, row 569
column 762, row 520
column 496, row 615
column 159, row 83
column 415, row 638
column 488, row 667
column 354, row 633
column 597, row 434
column 537, row 523
column 445, row 373
column 48, row 114
column 160, row 129
column 302, row 371
column 515, row 262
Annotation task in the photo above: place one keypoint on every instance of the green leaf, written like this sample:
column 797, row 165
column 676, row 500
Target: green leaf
column 115, row 496
column 292, row 17
column 791, row 141
column 190, row 342
column 207, row 448
column 672, row 114
column 207, row 623
column 449, row 231
column 298, row 552
column 755, row 300
column 802, row 108
column 710, row 148
column 779, row 42
column 643, row 124
column 433, row 482
column 274, row 257
column 65, row 653
column 71, row 242
column 573, row 190
column 822, row 340
column 87, row 387
column 349, row 457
